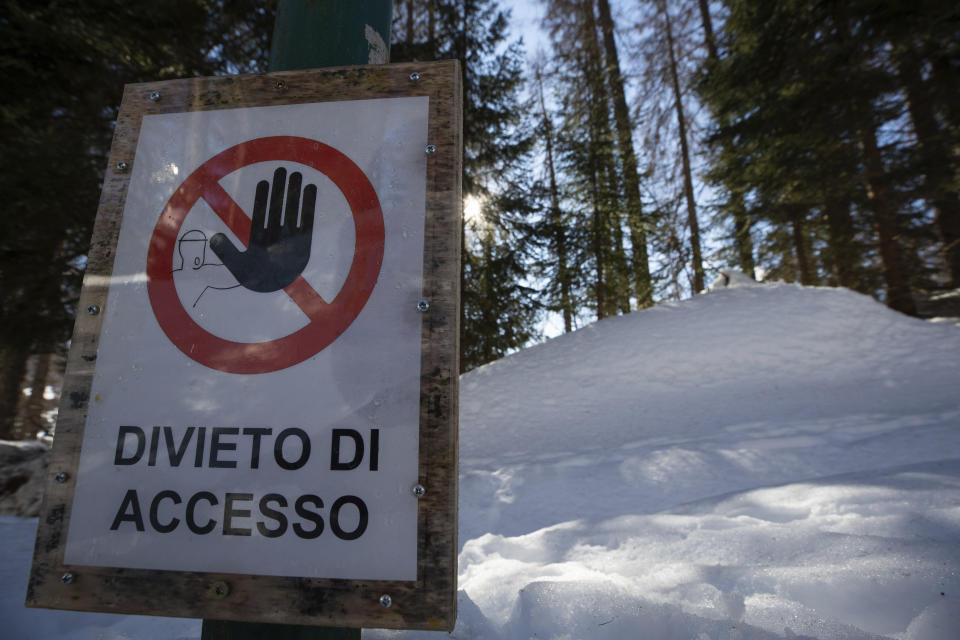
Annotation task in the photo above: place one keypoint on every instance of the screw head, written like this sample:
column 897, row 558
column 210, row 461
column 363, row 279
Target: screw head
column 122, row 166
column 281, row 84
column 419, row 491
column 154, row 95
column 415, row 76
column 67, row 578
column 423, row 306
column 430, row 149
column 219, row 590
column 93, row 309
column 386, row 601
column 61, row 477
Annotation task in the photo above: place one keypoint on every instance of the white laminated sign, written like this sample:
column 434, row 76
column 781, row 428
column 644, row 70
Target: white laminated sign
column 255, row 400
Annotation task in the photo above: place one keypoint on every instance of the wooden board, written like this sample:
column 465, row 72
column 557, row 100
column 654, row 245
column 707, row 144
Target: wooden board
column 427, row 603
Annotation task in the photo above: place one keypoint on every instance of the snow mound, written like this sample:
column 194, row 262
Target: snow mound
column 740, row 388
column 747, row 463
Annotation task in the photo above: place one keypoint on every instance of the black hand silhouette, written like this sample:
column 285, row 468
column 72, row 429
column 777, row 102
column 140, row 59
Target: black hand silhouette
column 279, row 249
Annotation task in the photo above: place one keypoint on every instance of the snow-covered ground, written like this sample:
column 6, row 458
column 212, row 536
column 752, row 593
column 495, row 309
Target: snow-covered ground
column 765, row 461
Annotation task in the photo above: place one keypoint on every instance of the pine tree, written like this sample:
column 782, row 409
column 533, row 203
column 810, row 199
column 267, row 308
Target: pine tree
column 924, row 39
column 554, row 229
column 499, row 313
column 664, row 40
column 643, row 287
column 735, row 206
column 802, row 94
column 693, row 223
column 587, row 152
column 65, row 65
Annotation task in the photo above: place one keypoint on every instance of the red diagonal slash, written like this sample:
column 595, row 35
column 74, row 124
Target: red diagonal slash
column 328, row 320
column 236, row 219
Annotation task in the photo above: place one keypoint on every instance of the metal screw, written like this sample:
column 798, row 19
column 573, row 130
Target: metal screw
column 415, row 76
column 155, row 95
column 93, row 309
column 67, row 578
column 281, row 84
column 219, row 590
column 419, row 490
column 61, row 477
column 431, row 149
column 386, row 601
column 122, row 166
column 423, row 306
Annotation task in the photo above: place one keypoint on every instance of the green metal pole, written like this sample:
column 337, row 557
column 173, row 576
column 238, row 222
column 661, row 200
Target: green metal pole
column 309, row 34
column 226, row 630
column 330, row 33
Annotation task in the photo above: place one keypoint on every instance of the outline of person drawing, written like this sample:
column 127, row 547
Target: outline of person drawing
column 194, row 243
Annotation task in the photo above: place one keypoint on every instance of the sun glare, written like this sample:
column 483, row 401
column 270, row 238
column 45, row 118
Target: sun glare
column 472, row 211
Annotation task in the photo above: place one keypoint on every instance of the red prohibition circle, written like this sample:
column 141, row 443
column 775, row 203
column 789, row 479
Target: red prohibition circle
column 328, row 320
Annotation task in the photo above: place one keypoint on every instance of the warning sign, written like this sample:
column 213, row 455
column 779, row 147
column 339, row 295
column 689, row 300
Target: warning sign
column 259, row 414
column 275, row 256
column 258, row 401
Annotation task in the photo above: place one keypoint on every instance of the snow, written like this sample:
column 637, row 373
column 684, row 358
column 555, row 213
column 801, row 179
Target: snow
column 764, row 461
column 22, row 464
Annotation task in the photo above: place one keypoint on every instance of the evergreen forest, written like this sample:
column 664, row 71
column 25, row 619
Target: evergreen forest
column 623, row 157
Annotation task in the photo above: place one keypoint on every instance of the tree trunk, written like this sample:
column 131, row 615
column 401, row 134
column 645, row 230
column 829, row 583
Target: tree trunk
column 676, row 266
column 558, row 232
column 944, row 79
column 938, row 163
column 13, row 368
column 621, row 270
column 878, row 191
column 599, row 249
column 885, row 218
column 411, row 36
column 800, row 247
column 432, row 27
column 692, row 222
column 742, row 239
column 608, row 293
column 842, row 250
column 631, row 180
column 708, row 30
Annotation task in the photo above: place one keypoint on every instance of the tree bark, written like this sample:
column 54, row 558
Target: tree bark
column 599, row 248
column 938, row 163
column 411, row 36
column 631, row 180
column 556, row 221
column 885, row 218
column 606, row 295
column 842, row 251
column 800, row 246
column 878, row 190
column 711, row 41
column 692, row 221
column 742, row 240
column 619, row 255
column 13, row 368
